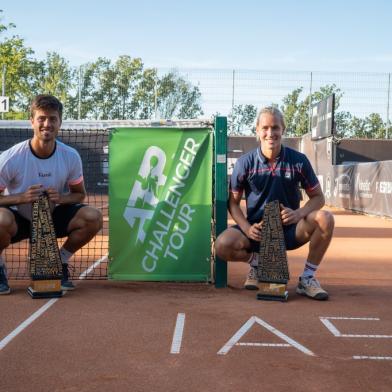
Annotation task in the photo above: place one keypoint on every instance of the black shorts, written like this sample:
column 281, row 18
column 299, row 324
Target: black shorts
column 61, row 215
column 289, row 238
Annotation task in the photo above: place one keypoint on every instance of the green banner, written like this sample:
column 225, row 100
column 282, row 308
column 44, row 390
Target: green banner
column 160, row 203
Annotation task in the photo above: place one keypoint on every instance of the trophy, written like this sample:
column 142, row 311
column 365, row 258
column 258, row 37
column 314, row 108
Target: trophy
column 273, row 272
column 45, row 262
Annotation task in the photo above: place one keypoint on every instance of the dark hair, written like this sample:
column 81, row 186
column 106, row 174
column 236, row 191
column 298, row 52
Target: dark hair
column 46, row 102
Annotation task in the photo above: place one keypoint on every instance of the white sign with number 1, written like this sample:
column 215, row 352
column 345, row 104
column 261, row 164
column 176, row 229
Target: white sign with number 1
column 4, row 104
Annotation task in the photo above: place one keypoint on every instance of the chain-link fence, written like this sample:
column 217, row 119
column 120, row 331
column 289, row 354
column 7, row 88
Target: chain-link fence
column 129, row 91
column 361, row 94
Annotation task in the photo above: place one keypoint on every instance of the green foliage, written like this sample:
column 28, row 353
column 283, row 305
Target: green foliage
column 177, row 98
column 296, row 110
column 55, row 77
column 241, row 120
column 98, row 90
column 374, row 126
column 3, row 27
column 290, row 108
column 16, row 61
column 127, row 90
column 108, row 90
column 296, row 113
column 344, row 124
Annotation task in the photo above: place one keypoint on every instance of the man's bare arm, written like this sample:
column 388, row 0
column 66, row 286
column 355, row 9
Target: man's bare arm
column 316, row 202
column 31, row 195
column 76, row 195
column 251, row 231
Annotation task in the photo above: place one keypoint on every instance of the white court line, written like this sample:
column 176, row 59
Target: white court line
column 27, row 322
column 89, row 269
column 375, row 358
column 330, row 327
column 264, row 344
column 350, row 318
column 338, row 334
column 238, row 335
column 178, row 332
column 348, row 335
column 40, row 311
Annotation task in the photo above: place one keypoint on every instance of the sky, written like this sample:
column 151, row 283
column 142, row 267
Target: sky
column 293, row 35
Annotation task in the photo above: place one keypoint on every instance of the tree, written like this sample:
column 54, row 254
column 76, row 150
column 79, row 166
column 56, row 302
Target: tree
column 296, row 112
column 88, row 85
column 374, row 126
column 56, row 78
column 127, row 90
column 241, row 120
column 114, row 91
column 5, row 27
column 343, row 121
column 290, row 109
column 177, row 98
column 128, row 76
column 52, row 76
column 357, row 127
column 16, row 61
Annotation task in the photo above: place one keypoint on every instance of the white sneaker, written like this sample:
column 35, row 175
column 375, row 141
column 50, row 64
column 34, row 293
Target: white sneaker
column 311, row 288
column 252, row 281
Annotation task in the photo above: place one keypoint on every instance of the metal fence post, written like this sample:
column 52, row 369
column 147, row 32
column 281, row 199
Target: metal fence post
column 232, row 101
column 156, row 96
column 80, row 92
column 220, row 162
column 3, row 85
column 310, row 104
column 389, row 94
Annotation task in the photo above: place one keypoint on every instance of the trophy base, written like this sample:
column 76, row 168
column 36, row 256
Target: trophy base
column 272, row 292
column 45, row 289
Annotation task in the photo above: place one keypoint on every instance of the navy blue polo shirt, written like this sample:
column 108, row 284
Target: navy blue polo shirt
column 263, row 182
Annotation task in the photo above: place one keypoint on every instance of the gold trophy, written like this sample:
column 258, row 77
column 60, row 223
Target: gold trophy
column 45, row 262
column 273, row 272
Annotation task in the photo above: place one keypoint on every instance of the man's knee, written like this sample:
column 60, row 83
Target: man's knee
column 91, row 217
column 221, row 244
column 7, row 222
column 225, row 244
column 325, row 220
column 228, row 241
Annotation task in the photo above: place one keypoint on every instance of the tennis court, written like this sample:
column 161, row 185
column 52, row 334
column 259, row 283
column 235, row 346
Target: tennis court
column 140, row 336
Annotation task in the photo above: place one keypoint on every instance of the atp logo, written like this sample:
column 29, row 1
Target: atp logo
column 143, row 198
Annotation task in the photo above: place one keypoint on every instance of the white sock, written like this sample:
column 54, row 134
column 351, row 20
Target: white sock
column 310, row 270
column 253, row 260
column 65, row 255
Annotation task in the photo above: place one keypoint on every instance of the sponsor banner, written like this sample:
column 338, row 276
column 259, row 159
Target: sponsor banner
column 364, row 187
column 160, row 203
column 359, row 186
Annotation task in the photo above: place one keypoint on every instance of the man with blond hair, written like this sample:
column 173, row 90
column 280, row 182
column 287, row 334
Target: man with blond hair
column 270, row 172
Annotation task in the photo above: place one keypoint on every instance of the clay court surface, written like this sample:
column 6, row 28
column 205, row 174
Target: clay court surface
column 127, row 336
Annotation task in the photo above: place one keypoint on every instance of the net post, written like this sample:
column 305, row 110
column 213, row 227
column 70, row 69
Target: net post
column 220, row 178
